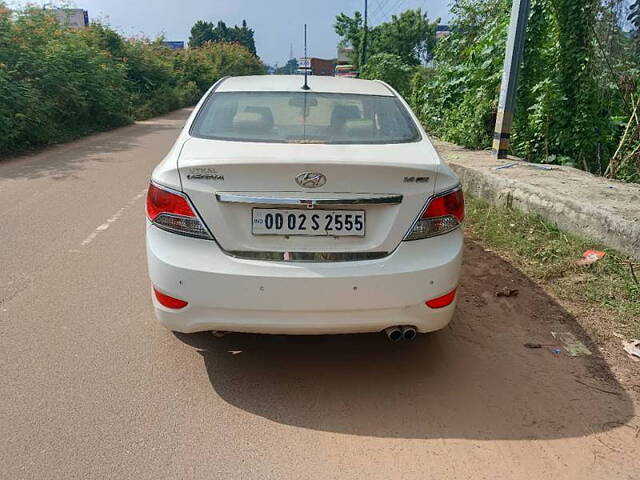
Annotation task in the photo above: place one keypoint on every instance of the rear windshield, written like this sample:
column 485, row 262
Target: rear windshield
column 298, row 117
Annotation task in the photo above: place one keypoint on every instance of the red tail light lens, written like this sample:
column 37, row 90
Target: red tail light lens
column 169, row 302
column 443, row 301
column 171, row 211
column 163, row 201
column 443, row 214
column 448, row 204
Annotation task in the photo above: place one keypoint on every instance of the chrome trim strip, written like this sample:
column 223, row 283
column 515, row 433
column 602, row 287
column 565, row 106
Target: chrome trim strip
column 315, row 257
column 382, row 199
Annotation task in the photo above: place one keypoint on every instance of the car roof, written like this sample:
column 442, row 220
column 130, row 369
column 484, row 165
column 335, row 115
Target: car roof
column 293, row 83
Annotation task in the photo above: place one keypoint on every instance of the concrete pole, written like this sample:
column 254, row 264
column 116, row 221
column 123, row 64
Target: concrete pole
column 512, row 61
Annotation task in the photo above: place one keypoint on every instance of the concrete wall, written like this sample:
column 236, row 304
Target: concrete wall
column 593, row 207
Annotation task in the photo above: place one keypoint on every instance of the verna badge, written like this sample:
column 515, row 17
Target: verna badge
column 311, row 180
column 204, row 173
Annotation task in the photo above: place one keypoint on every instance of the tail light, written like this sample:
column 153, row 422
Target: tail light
column 443, row 214
column 172, row 211
column 169, row 302
column 443, row 301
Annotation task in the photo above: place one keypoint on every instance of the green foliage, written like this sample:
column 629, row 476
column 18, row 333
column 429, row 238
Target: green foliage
column 634, row 17
column 460, row 100
column 409, row 35
column 58, row 83
column 203, row 32
column 388, row 68
column 571, row 107
column 351, row 30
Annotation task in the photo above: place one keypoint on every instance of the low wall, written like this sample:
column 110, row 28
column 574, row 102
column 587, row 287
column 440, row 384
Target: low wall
column 593, row 207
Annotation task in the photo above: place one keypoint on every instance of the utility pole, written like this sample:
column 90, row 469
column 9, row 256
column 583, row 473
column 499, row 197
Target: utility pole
column 512, row 61
column 363, row 59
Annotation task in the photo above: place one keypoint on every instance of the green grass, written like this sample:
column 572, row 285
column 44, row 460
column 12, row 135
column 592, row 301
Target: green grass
column 547, row 255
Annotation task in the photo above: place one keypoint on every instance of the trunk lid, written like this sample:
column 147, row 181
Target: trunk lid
column 212, row 170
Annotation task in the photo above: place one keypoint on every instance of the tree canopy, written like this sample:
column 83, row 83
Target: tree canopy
column 203, row 32
column 410, row 36
column 389, row 68
column 577, row 89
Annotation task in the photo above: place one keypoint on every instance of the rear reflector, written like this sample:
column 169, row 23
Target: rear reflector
column 442, row 301
column 168, row 301
column 443, row 214
column 172, row 211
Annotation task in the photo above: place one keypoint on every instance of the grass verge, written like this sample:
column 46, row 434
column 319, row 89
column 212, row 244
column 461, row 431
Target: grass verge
column 609, row 288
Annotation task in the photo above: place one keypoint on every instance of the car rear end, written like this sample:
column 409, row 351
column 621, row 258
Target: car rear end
column 288, row 212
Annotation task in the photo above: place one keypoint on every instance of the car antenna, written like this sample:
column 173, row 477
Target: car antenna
column 306, row 60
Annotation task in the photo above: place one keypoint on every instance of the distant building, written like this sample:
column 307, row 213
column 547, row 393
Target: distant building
column 348, row 71
column 344, row 67
column 71, row 17
column 345, row 55
column 442, row 31
column 316, row 66
column 174, row 45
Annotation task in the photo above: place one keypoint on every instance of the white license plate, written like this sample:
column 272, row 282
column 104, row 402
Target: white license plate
column 276, row 221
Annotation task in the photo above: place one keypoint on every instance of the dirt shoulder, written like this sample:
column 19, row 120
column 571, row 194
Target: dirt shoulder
column 602, row 299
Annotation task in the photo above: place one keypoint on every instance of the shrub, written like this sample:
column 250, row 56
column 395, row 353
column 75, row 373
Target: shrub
column 577, row 85
column 58, row 83
column 388, row 68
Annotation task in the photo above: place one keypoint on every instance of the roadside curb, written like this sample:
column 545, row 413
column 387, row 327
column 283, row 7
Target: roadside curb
column 603, row 210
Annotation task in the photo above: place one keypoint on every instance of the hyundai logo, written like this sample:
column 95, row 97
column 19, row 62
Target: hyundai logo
column 311, row 180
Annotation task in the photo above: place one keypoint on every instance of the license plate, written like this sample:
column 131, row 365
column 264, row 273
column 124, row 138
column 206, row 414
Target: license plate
column 338, row 223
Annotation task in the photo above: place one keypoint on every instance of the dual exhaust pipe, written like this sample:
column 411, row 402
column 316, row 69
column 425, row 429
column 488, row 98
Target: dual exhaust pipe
column 395, row 334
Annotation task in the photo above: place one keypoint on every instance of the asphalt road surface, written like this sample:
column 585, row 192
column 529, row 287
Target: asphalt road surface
column 93, row 387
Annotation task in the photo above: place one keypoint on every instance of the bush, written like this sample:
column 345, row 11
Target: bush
column 58, row 83
column 577, row 85
column 388, row 68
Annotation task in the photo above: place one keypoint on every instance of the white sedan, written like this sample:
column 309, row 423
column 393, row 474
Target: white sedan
column 304, row 211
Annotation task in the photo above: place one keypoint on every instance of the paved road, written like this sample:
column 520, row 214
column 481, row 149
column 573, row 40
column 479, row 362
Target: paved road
column 92, row 387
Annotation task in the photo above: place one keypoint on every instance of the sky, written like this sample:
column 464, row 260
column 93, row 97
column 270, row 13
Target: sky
column 277, row 24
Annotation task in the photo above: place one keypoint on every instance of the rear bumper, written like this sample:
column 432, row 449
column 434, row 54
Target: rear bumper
column 227, row 293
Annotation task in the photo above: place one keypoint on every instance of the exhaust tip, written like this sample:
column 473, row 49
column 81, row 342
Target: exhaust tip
column 409, row 333
column 394, row 334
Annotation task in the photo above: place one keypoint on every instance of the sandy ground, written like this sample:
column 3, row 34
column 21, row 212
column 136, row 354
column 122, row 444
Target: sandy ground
column 93, row 387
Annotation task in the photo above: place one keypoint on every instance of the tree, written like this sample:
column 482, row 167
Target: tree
column 389, row 68
column 244, row 36
column 634, row 18
column 409, row 35
column 203, row 32
column 351, row 29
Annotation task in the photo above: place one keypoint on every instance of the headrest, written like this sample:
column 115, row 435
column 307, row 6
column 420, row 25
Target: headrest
column 255, row 121
column 361, row 128
column 344, row 112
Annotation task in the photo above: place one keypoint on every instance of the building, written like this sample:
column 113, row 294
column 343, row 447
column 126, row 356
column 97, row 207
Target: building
column 316, row 66
column 442, row 31
column 345, row 67
column 174, row 45
column 71, row 17
column 348, row 71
